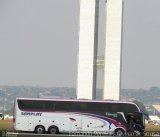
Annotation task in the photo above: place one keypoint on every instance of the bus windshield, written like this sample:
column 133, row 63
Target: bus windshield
column 142, row 108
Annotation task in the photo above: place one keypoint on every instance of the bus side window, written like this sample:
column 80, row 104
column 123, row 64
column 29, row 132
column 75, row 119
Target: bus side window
column 43, row 105
column 53, row 107
column 114, row 108
column 49, row 105
column 83, row 107
column 107, row 107
column 19, row 102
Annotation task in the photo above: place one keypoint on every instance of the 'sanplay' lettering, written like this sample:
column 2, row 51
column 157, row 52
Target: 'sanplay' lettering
column 31, row 113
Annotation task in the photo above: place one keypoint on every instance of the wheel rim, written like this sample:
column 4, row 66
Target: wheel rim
column 53, row 131
column 119, row 133
column 40, row 130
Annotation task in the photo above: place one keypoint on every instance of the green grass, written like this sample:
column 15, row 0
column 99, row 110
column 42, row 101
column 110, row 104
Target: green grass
column 152, row 128
column 6, row 125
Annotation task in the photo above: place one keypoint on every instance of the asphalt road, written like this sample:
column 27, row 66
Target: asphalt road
column 11, row 134
column 32, row 135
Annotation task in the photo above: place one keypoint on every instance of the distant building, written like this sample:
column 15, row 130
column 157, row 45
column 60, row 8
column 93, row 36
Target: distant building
column 157, row 107
column 154, row 119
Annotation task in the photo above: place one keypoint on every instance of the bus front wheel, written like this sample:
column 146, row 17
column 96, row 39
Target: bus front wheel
column 53, row 130
column 39, row 129
column 119, row 132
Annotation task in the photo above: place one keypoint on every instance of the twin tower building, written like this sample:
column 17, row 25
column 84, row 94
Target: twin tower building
column 88, row 43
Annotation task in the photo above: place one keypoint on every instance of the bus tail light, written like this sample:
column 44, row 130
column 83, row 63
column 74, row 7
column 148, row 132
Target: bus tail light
column 14, row 120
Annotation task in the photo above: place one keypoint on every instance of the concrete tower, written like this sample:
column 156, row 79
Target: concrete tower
column 87, row 56
column 88, row 40
column 112, row 58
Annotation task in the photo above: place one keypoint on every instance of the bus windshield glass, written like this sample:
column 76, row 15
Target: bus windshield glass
column 142, row 108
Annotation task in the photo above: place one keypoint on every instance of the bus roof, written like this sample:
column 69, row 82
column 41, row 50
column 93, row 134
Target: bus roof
column 77, row 100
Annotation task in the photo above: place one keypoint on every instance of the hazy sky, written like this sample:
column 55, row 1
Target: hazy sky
column 39, row 43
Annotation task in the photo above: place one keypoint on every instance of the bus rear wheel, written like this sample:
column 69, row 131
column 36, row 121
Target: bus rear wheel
column 53, row 130
column 39, row 129
column 119, row 132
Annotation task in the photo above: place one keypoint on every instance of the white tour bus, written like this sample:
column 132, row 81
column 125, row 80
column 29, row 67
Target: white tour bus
column 69, row 116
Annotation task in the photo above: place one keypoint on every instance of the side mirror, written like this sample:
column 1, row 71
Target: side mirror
column 138, row 117
column 130, row 117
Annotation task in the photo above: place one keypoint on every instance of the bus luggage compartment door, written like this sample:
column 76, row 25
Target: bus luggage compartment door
column 76, row 123
column 22, row 123
column 88, row 124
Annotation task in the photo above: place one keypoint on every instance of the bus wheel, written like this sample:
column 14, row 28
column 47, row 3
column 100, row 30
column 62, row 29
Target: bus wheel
column 40, row 129
column 119, row 132
column 53, row 130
